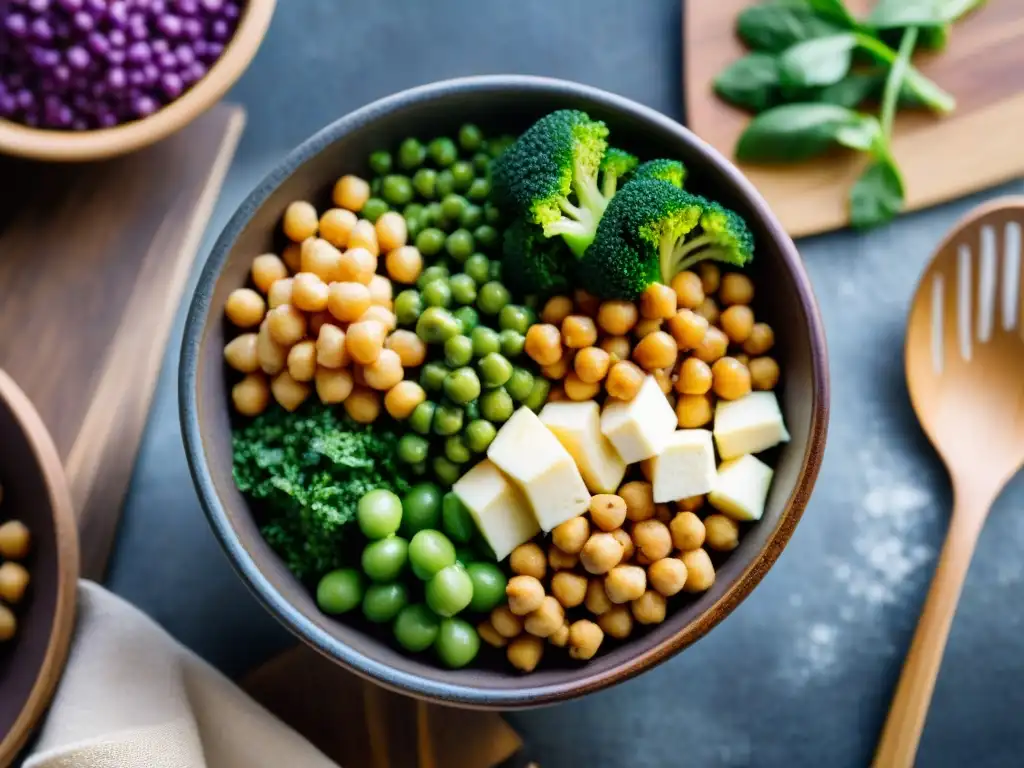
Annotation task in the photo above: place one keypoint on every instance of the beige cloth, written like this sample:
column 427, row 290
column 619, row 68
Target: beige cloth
column 132, row 697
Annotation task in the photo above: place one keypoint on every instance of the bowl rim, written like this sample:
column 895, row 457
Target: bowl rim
column 66, row 532
column 69, row 146
column 381, row 673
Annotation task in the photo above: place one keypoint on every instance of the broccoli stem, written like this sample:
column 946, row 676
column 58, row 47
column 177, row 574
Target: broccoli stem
column 674, row 256
column 579, row 225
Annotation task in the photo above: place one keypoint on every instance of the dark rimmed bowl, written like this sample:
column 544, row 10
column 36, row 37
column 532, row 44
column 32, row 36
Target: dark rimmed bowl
column 503, row 103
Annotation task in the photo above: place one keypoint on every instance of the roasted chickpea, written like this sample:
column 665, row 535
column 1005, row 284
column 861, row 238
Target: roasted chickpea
column 761, row 339
column 15, row 540
column 404, row 264
column 309, row 292
column 569, row 588
column 560, row 637
column 647, row 326
column 490, row 635
column 617, row 347
column 723, row 533
column 584, row 639
column 737, row 322
column 365, row 341
column 709, row 310
column 330, row 347
column 281, row 292
column 251, row 395
column 687, row 531
column 561, row 561
column 351, row 193
column 14, row 579
column 625, row 583
column 556, row 309
column 693, row 411
column 616, row 622
column 571, row 535
column 300, row 221
column 668, row 576
column 639, row 498
column 596, row 600
column 601, row 553
column 688, row 288
column 245, row 308
column 363, row 405
column 731, row 378
column 653, row 539
column 713, row 346
column 591, row 364
column 649, row 608
column 559, row 369
column 607, row 511
column 579, row 390
column 736, row 288
column 694, row 377
column 364, row 235
column 8, row 623
column 710, row 276
column 382, row 315
column 658, row 301
column 291, row 255
column 690, row 504
column 528, row 560
column 578, row 331
column 336, row 225
column 764, row 373
column 391, row 231
column 333, row 386
column 624, row 380
column 617, row 317
column 626, row 541
column 506, row 623
column 586, row 303
column 410, row 348
column 546, row 619
column 525, row 594
column 302, row 361
column 288, row 392
column 272, row 356
column 266, row 269
column 687, row 328
column 322, row 259
column 700, row 573
column 525, row 652
column 544, row 344
column 656, row 350
column 240, row 353
column 402, row 399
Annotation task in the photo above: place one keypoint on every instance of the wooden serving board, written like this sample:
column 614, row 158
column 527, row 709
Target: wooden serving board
column 93, row 262
column 977, row 146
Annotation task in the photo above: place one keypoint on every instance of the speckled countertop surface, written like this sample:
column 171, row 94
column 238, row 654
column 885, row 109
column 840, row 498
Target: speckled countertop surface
column 801, row 674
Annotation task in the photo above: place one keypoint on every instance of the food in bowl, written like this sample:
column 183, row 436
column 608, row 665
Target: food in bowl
column 15, row 545
column 539, row 324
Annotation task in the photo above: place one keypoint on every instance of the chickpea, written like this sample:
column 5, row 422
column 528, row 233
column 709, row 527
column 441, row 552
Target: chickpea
column 742, row 357
column 348, row 301
column 382, row 315
column 617, row 317
column 649, row 608
column 710, row 276
column 687, row 531
column 647, row 326
column 625, row 541
column 713, row 346
column 300, row 221
column 653, row 539
column 8, row 623
column 639, row 498
column 364, row 235
column 731, row 378
column 272, row 356
column 251, row 395
column 700, row 573
column 723, row 533
column 302, row 361
column 601, row 553
column 544, row 344
column 404, row 264
column 667, row 576
column 318, row 320
column 240, row 353
column 288, row 392
column 385, row 372
column 245, row 308
column 291, row 255
column 525, row 594
column 363, row 405
column 617, row 347
column 579, row 390
column 561, row 561
column 381, row 293
column 322, row 259
column 559, row 369
column 410, row 348
column 591, row 364
column 525, row 652
column 15, row 540
column 357, row 375
column 764, row 373
column 761, row 339
column 586, row 303
column 694, row 377
column 625, row 583
column 642, row 559
column 584, row 639
column 737, row 322
column 506, row 623
column 663, row 513
column 578, row 331
column 528, row 560
column 286, row 325
column 330, row 347
column 266, row 269
column 687, row 328
column 546, row 619
column 490, row 635
column 555, row 310
column 391, row 231
column 281, row 292
column 556, row 394
column 693, row 411
column 14, row 580
column 658, row 301
column 708, row 309
column 333, row 386
column 663, row 378
column 571, row 535
column 736, row 288
column 596, row 600
column 617, row 622
column 570, row 589
column 624, row 380
column 336, row 225
column 656, row 350
column 351, row 192
column 560, row 637
column 365, row 341
column 402, row 399
column 689, row 289
column 309, row 292
column 690, row 504
column 607, row 511
column 357, row 265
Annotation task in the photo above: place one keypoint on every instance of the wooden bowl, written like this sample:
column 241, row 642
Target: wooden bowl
column 35, row 492
column 501, row 103
column 64, row 146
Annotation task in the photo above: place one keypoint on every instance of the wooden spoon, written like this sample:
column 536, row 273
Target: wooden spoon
column 965, row 371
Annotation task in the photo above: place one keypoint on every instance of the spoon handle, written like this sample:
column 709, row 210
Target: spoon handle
column 898, row 744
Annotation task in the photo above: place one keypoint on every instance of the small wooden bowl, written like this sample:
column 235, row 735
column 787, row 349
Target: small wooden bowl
column 35, row 492
column 74, row 146
column 498, row 104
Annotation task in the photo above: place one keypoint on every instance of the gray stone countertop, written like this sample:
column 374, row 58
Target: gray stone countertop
column 801, row 673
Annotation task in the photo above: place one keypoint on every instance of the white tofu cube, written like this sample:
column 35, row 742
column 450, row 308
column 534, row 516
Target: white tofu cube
column 741, row 488
column 749, row 425
column 578, row 428
column 531, row 455
column 501, row 513
column 640, row 427
column 685, row 467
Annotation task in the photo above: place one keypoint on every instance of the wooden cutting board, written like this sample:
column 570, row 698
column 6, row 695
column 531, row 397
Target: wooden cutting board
column 93, row 261
column 977, row 146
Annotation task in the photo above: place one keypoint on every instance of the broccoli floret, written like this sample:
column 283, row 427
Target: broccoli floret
column 615, row 166
column 549, row 176
column 533, row 264
column 672, row 171
column 722, row 236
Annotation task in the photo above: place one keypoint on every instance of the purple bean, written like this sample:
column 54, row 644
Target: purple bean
column 78, row 58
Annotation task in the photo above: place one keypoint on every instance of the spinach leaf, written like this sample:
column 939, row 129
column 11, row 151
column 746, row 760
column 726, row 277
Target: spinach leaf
column 918, row 13
column 915, row 83
column 933, row 38
column 794, row 132
column 775, row 26
column 858, row 87
column 834, row 11
column 751, row 82
column 821, row 61
column 877, row 196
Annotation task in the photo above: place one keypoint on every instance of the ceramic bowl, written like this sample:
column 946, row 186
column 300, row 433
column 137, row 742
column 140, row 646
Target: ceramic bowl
column 501, row 103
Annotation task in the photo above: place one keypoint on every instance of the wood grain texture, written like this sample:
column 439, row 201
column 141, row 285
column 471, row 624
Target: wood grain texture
column 977, row 146
column 93, row 261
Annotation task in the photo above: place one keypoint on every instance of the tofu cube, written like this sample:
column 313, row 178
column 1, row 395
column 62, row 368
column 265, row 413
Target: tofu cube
column 741, row 488
column 685, row 467
column 640, row 427
column 501, row 513
column 749, row 425
column 577, row 426
column 532, row 457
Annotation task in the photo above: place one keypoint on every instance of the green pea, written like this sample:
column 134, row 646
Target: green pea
column 373, row 209
column 413, row 226
column 396, row 189
column 449, row 590
column 472, row 410
column 479, row 435
column 491, row 214
column 515, row 317
column 412, row 449
column 472, row 217
column 494, row 270
column 453, row 205
column 442, row 262
column 408, row 306
column 486, row 235
column 432, row 214
column 411, row 154
column 446, row 472
column 467, row 316
column 430, row 274
column 430, row 241
column 443, row 151
column 461, row 386
column 478, row 267
column 379, row 513
column 471, row 138
column 456, row 519
column 429, row 552
column 422, row 417
column 479, row 189
column 437, row 293
column 457, row 643
column 418, row 469
column 445, row 183
column 382, row 602
column 488, row 586
column 485, row 341
column 455, row 450
column 458, row 351
column 512, row 343
column 492, row 297
column 520, row 384
column 380, row 162
column 436, row 325
column 384, row 560
column 463, row 289
column 339, row 591
column 496, row 405
column 462, row 173
column 424, row 181
column 432, row 376
column 459, row 245
column 495, row 370
column 481, row 162
column 447, row 418
column 538, row 394
column 412, row 211
column 421, row 509
column 375, row 186
column 416, row 627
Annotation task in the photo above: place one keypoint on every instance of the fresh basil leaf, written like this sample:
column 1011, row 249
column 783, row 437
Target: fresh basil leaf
column 835, row 11
column 877, row 196
column 795, row 132
column 822, row 61
column 751, row 82
column 917, row 13
column 775, row 26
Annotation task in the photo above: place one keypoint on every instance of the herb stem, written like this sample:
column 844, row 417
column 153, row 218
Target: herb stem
column 894, row 82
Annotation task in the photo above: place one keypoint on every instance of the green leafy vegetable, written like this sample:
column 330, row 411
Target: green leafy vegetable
column 775, row 26
column 877, row 196
column 834, row 11
column 795, row 132
column 751, row 82
column 821, row 61
column 858, row 87
column 918, row 13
